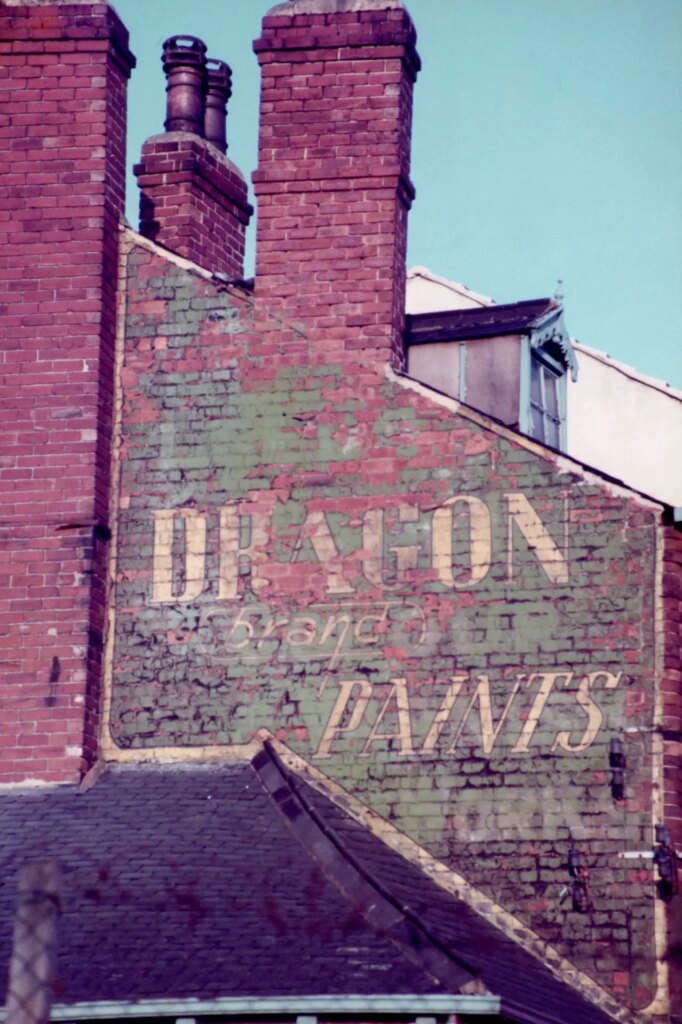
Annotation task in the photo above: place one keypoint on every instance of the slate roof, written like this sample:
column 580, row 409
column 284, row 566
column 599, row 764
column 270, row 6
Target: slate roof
column 212, row 881
column 482, row 322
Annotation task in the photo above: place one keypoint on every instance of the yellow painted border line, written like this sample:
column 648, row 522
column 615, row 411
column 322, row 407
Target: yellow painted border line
column 125, row 245
column 109, row 751
column 660, row 1004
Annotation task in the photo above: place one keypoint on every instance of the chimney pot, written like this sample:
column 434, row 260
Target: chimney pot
column 193, row 200
column 184, row 64
column 218, row 92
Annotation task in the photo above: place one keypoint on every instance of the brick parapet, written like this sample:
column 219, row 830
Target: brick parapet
column 333, row 182
column 63, row 79
column 193, row 201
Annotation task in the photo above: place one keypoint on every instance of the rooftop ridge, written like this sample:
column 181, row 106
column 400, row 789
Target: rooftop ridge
column 354, row 878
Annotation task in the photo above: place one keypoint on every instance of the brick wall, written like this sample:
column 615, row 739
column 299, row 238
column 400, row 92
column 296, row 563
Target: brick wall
column 63, row 71
column 432, row 611
column 333, row 183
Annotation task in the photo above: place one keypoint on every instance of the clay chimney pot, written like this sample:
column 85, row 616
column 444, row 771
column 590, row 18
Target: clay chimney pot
column 218, row 92
column 184, row 64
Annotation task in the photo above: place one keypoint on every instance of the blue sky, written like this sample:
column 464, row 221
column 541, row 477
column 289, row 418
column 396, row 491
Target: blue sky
column 547, row 144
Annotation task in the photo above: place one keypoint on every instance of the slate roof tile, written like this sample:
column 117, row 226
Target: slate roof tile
column 240, row 880
column 146, row 853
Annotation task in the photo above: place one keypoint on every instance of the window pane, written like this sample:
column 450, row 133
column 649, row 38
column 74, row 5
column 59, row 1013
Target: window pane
column 552, row 405
column 535, row 386
column 545, row 401
column 551, row 432
column 536, row 424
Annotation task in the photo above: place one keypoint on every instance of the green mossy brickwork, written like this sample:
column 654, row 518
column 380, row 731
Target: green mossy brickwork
column 217, row 414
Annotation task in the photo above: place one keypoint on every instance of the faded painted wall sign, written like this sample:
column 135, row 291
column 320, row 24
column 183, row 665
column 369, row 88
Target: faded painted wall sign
column 446, row 619
column 325, row 633
column 383, row 565
column 348, row 564
column 342, row 652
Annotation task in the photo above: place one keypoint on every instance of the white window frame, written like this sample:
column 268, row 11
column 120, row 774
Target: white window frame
column 531, row 354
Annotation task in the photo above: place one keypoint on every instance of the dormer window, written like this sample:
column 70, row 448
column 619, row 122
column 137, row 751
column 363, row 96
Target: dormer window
column 547, row 410
column 509, row 362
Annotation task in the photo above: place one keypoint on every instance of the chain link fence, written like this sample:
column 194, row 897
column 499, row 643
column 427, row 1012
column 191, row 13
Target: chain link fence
column 30, row 989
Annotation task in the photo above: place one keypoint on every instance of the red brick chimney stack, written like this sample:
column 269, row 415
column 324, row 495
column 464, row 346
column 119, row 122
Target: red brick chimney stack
column 333, row 182
column 62, row 162
column 193, row 200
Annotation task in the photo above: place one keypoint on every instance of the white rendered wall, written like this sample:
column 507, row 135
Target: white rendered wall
column 627, row 425
column 427, row 293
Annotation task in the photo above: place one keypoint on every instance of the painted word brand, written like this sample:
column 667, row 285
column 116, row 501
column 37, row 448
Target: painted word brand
column 457, row 568
column 326, row 633
column 392, row 722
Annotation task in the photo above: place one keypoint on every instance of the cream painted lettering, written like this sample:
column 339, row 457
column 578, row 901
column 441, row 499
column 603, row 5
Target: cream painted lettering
column 460, row 534
column 380, row 716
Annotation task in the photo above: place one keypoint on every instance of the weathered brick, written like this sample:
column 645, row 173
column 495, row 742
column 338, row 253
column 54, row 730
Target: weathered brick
column 366, row 69
column 276, row 425
column 61, row 253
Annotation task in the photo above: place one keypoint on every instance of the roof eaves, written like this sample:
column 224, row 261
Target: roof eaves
column 628, row 371
column 461, row 324
column 454, row 286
